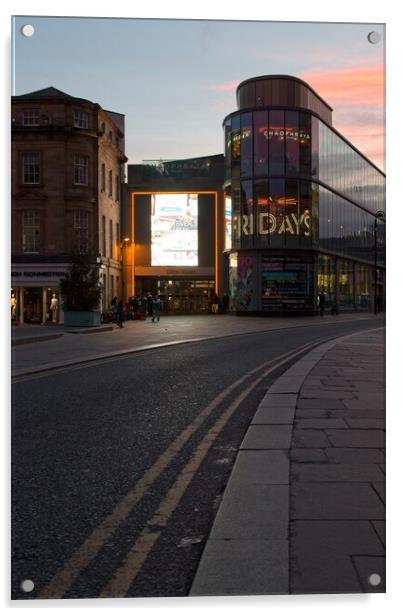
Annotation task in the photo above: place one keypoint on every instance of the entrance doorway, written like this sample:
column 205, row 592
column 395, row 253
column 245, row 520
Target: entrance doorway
column 33, row 305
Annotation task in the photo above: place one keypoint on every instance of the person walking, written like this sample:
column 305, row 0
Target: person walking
column 120, row 314
column 215, row 304
column 149, row 304
column 156, row 309
column 321, row 302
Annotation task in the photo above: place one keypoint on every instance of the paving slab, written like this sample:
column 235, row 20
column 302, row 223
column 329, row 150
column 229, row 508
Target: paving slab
column 261, row 467
column 276, row 400
column 269, row 415
column 380, row 528
column 305, row 454
column 267, row 437
column 330, row 394
column 242, row 567
column 355, row 455
column 252, row 512
column 371, row 568
column 322, row 403
column 366, row 423
column 321, row 424
column 321, row 555
column 335, row 501
column 356, row 438
column 379, row 487
column 287, row 385
column 310, row 438
column 336, row 472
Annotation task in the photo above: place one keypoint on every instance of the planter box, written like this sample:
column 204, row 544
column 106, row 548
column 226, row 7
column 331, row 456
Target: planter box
column 82, row 319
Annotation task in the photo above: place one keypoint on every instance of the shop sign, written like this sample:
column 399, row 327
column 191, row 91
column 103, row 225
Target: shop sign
column 269, row 224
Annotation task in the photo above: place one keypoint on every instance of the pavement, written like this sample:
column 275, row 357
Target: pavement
column 304, row 508
column 39, row 347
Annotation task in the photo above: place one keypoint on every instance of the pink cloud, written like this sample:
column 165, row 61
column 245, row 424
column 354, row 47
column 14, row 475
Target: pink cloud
column 357, row 96
column 226, row 86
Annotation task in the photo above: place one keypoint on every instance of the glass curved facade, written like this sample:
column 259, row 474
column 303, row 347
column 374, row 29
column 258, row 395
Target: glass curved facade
column 298, row 190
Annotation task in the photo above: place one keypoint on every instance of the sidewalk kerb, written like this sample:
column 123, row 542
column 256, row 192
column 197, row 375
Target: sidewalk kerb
column 217, row 570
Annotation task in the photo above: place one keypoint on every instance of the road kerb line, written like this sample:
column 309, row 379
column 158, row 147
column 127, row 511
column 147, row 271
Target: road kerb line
column 125, row 575
column 82, row 557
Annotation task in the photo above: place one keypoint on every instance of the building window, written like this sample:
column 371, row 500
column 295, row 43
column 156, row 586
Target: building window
column 110, row 183
column 31, row 168
column 31, row 231
column 111, row 239
column 104, row 236
column 117, row 191
column 103, row 177
column 81, row 170
column 110, row 136
column 81, row 119
column 81, row 219
column 30, row 117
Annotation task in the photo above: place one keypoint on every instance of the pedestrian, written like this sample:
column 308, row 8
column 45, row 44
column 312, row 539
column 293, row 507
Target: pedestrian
column 120, row 314
column 321, row 302
column 143, row 307
column 149, row 304
column 224, row 303
column 214, row 304
column 156, row 309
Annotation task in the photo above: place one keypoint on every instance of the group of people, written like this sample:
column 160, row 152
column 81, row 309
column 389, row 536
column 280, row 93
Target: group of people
column 137, row 308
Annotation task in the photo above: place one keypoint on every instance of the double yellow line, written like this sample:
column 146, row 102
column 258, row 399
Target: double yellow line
column 124, row 576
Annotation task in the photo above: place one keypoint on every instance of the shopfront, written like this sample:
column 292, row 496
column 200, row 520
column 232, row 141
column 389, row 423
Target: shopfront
column 35, row 294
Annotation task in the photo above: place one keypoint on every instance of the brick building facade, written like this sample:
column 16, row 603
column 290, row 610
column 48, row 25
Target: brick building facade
column 67, row 171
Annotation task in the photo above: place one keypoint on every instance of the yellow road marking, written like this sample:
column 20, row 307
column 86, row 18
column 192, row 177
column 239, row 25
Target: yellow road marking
column 126, row 574
column 81, row 558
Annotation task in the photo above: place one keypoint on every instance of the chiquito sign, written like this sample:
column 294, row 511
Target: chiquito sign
column 268, row 224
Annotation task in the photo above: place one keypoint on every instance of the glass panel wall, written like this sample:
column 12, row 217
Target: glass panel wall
column 246, row 144
column 326, row 277
column 292, row 142
column 247, row 225
column 276, row 139
column 346, row 284
column 260, row 143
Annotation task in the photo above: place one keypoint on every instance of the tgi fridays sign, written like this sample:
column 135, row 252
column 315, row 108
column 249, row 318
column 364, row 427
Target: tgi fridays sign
column 268, row 224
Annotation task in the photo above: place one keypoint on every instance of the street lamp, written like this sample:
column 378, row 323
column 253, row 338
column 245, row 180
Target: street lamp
column 126, row 241
column 380, row 215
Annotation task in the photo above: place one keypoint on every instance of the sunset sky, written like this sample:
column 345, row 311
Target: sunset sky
column 175, row 80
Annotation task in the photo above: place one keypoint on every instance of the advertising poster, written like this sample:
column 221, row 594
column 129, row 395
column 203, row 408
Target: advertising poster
column 174, row 229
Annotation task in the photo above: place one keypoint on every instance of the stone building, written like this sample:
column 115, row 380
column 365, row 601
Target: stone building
column 67, row 171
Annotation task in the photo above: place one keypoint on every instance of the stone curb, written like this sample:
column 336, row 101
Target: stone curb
column 247, row 551
column 116, row 354
column 20, row 341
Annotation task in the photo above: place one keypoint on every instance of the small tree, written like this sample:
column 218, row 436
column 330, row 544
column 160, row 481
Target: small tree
column 80, row 289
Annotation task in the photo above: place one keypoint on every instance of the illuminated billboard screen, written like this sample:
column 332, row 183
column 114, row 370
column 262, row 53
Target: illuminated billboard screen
column 174, row 229
column 228, row 223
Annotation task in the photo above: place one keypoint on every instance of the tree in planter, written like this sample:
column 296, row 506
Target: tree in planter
column 80, row 289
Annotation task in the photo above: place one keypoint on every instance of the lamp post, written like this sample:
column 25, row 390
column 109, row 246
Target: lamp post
column 378, row 216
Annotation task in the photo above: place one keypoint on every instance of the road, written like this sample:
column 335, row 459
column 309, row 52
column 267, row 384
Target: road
column 119, row 466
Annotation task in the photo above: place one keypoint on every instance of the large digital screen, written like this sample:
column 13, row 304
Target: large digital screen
column 174, row 229
column 228, row 223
